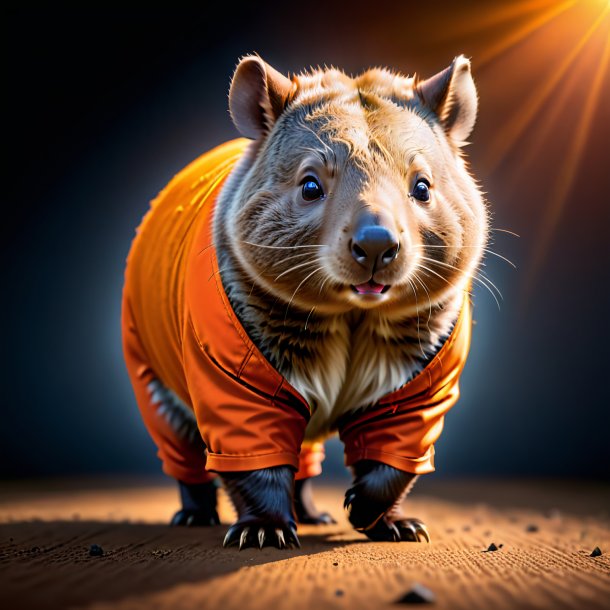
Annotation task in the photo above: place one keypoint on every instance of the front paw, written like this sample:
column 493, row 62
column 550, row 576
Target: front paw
column 401, row 530
column 260, row 532
column 263, row 501
column 364, row 511
column 378, row 488
column 195, row 518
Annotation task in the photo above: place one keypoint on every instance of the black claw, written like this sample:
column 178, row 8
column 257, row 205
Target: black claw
column 293, row 538
column 232, row 536
column 413, row 530
column 243, row 538
column 403, row 530
column 261, row 535
column 195, row 518
column 422, row 532
column 394, row 532
column 281, row 541
column 263, row 501
column 408, row 531
column 348, row 501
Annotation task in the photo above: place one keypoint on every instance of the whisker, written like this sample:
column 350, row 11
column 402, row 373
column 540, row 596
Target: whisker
column 204, row 249
column 254, row 284
column 283, row 247
column 322, row 284
column 484, row 281
column 297, row 288
column 431, row 260
column 287, row 258
column 218, row 272
column 448, row 282
column 424, row 246
column 429, row 302
column 488, row 279
column 311, row 262
column 500, row 256
column 421, row 349
column 505, row 231
column 308, row 316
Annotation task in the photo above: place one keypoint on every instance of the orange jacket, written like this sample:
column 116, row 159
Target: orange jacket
column 178, row 326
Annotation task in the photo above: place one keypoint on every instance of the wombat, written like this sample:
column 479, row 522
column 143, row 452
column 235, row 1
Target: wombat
column 309, row 278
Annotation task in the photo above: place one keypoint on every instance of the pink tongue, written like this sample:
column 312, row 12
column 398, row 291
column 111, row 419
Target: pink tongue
column 369, row 287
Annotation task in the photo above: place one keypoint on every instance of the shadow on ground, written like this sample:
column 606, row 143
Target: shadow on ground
column 138, row 559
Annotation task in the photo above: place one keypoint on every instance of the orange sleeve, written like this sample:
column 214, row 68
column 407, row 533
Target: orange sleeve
column 401, row 430
column 243, row 426
column 401, row 437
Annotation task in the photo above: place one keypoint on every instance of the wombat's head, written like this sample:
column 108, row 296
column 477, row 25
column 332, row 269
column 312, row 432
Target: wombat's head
column 358, row 195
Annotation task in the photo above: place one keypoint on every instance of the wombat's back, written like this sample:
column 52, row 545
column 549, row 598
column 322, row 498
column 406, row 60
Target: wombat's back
column 158, row 258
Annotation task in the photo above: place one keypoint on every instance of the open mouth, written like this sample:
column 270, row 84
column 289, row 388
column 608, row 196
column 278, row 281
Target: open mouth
column 370, row 287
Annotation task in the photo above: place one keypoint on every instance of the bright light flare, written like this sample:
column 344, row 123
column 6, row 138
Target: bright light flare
column 568, row 171
column 513, row 130
column 538, row 114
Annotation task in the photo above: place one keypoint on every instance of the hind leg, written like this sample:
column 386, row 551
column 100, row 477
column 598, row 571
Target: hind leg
column 304, row 507
column 173, row 428
column 198, row 505
column 198, row 492
column 374, row 503
column 310, row 465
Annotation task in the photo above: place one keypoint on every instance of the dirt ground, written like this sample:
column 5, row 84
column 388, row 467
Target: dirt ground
column 547, row 531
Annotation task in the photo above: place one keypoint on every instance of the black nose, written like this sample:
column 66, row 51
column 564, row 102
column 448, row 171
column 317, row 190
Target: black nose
column 373, row 246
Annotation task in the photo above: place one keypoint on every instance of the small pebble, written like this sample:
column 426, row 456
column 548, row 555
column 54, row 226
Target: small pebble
column 339, row 592
column 335, row 564
column 492, row 547
column 532, row 527
column 417, row 594
column 596, row 552
column 95, row 550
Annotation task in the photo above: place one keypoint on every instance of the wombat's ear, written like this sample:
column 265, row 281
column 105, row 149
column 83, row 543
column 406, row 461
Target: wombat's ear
column 257, row 96
column 452, row 96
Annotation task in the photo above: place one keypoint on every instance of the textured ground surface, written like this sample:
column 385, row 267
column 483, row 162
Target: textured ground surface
column 46, row 531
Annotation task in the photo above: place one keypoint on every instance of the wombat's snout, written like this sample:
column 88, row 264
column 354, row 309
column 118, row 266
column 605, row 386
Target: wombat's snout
column 373, row 246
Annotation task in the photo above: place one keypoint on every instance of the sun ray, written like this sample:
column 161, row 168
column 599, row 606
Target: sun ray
column 512, row 131
column 473, row 22
column 515, row 37
column 567, row 172
column 538, row 137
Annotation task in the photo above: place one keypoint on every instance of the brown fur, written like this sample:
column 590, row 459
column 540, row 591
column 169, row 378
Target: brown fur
column 286, row 264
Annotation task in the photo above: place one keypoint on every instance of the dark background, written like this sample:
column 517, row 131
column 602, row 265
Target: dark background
column 104, row 106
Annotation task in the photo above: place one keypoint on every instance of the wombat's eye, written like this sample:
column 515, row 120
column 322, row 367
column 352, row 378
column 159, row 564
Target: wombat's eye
column 311, row 189
column 421, row 190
